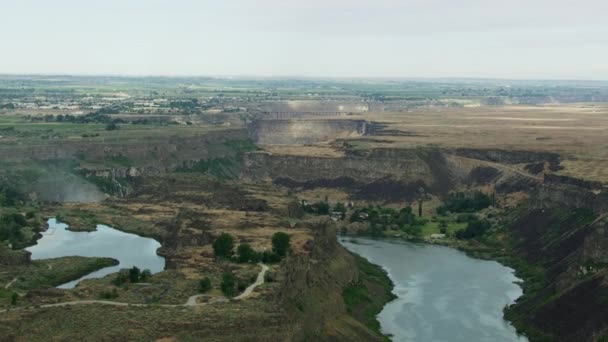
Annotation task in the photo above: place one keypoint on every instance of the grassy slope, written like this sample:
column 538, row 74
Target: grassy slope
column 365, row 299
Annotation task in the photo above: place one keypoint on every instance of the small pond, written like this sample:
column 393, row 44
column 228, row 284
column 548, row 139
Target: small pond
column 129, row 249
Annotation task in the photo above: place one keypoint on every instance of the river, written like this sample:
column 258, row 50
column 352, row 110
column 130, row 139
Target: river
column 442, row 294
column 129, row 249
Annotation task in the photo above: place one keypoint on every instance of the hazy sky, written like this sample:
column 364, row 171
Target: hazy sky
column 345, row 38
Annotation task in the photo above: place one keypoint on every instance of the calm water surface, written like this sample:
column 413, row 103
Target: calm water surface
column 443, row 295
column 129, row 249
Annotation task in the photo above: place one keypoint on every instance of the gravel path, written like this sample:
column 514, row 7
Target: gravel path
column 191, row 302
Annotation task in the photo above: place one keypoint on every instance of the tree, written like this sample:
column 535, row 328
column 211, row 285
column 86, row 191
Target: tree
column 443, row 227
column 14, row 299
column 204, row 285
column 280, row 243
column 223, row 246
column 111, row 127
column 228, row 284
column 340, row 207
column 145, row 275
column 246, row 253
column 474, row 229
column 134, row 274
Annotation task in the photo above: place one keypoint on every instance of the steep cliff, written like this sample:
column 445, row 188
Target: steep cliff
column 313, row 292
column 562, row 237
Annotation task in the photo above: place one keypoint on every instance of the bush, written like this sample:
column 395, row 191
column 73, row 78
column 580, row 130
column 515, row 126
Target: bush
column 474, row 229
column 443, row 227
column 134, row 274
column 112, row 127
column 246, row 254
column 204, row 285
column 340, row 207
column 319, row 208
column 10, row 227
column 228, row 284
column 269, row 257
column 280, row 243
column 223, row 246
column 145, row 275
column 120, row 279
column 109, row 294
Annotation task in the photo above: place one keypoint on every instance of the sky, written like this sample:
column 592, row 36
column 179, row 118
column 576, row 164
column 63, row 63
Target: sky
column 516, row 39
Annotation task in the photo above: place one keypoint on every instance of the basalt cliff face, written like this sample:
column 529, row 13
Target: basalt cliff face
column 564, row 233
column 312, row 292
column 389, row 174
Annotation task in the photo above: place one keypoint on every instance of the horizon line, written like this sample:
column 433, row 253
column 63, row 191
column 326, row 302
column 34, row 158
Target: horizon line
column 303, row 77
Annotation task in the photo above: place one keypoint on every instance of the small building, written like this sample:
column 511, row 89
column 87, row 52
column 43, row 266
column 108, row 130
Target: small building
column 437, row 236
column 336, row 215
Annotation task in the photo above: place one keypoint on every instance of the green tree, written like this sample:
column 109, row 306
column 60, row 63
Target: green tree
column 14, row 298
column 443, row 227
column 228, row 284
column 246, row 253
column 134, row 274
column 204, row 285
column 340, row 207
column 145, row 275
column 223, row 246
column 280, row 243
column 112, row 127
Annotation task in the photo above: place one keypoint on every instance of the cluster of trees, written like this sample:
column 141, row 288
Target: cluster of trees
column 381, row 219
column 461, row 202
column 11, row 225
column 9, row 196
column 319, row 208
column 475, row 228
column 132, row 275
column 322, row 208
column 223, row 247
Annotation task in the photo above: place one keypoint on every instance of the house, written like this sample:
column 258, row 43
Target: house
column 336, row 215
column 437, row 236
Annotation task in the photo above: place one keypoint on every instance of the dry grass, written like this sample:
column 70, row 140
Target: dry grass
column 579, row 132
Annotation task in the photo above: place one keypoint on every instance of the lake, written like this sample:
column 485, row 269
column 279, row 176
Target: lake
column 129, row 249
column 442, row 294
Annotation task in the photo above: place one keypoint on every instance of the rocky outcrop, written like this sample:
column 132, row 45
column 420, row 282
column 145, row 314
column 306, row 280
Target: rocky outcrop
column 312, row 291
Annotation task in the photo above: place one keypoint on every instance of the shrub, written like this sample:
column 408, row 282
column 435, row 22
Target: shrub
column 474, row 229
column 246, row 253
column 204, row 285
column 112, row 127
column 280, row 243
column 223, row 245
column 145, row 275
column 228, row 284
column 134, row 274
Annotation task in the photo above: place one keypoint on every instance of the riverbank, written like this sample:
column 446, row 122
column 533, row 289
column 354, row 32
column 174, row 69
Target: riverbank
column 366, row 298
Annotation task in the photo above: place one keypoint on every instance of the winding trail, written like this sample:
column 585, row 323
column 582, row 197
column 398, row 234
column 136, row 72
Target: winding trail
column 259, row 281
column 191, row 302
column 10, row 283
